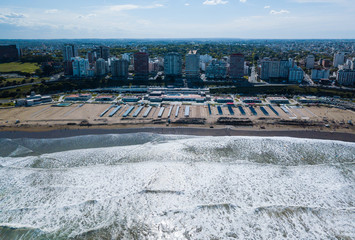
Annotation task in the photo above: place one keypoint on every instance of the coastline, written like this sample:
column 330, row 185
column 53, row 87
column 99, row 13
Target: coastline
column 195, row 131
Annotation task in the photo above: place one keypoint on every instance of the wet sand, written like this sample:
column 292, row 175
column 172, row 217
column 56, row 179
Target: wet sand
column 60, row 133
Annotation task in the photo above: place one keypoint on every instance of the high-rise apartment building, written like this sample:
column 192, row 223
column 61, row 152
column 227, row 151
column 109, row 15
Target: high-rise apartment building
column 100, row 67
column 296, row 75
column 9, row 53
column 69, row 51
column 119, row 69
column 102, row 52
column 275, row 69
column 318, row 74
column 217, row 69
column 310, row 61
column 141, row 64
column 236, row 67
column 346, row 77
column 80, row 67
column 172, row 64
column 338, row 59
column 192, row 65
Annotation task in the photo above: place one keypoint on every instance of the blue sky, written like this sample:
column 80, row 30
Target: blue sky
column 177, row 19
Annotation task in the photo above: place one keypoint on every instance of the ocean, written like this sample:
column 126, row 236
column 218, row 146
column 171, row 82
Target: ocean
column 151, row 186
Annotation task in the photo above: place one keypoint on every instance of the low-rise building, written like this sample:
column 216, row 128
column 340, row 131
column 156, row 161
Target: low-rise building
column 224, row 100
column 78, row 97
column 277, row 100
column 250, row 100
column 105, row 98
column 130, row 99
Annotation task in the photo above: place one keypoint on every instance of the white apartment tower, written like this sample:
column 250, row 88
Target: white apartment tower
column 192, row 64
column 172, row 64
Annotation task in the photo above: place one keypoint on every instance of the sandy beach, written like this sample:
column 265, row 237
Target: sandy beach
column 47, row 121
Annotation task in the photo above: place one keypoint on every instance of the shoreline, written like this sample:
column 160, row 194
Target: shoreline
column 195, row 131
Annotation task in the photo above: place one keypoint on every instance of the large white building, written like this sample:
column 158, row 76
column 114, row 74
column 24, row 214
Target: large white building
column 317, row 75
column 192, row 64
column 346, row 77
column 338, row 59
column 80, row 67
column 172, row 64
column 296, row 75
column 271, row 69
column 310, row 61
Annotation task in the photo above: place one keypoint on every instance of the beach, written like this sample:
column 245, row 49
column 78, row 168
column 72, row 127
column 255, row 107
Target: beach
column 48, row 121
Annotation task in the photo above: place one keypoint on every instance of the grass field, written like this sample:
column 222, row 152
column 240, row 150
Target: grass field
column 18, row 67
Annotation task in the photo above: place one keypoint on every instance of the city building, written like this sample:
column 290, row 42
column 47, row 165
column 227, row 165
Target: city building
column 69, row 51
column 250, row 100
column 9, row 53
column 285, row 66
column 310, row 61
column 296, row 75
column 236, row 66
column 338, row 59
column 346, row 77
column 326, row 63
column 217, row 69
column 141, row 64
column 105, row 98
column 80, row 67
column 100, row 67
column 318, row 74
column 205, row 58
column 119, row 69
column 102, row 52
column 78, row 97
column 91, row 56
column 192, row 65
column 33, row 99
column 172, row 64
column 277, row 100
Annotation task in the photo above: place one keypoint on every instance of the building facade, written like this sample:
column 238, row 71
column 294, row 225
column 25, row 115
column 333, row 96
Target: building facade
column 141, row 64
column 172, row 64
column 100, row 67
column 296, row 75
column 346, row 77
column 338, row 59
column 192, row 65
column 119, row 69
column 317, row 74
column 9, row 53
column 80, row 67
column 217, row 69
column 236, row 67
column 310, row 61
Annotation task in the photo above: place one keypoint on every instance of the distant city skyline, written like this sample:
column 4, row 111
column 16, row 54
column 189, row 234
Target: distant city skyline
column 253, row 19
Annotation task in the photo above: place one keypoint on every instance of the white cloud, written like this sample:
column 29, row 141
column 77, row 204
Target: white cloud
column 282, row 11
column 14, row 15
column 214, row 2
column 267, row 7
column 126, row 7
column 243, row 1
column 51, row 11
column 187, row 4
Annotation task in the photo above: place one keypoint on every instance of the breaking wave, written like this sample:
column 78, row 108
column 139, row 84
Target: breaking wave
column 150, row 186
